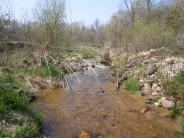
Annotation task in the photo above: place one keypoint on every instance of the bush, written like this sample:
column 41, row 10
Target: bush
column 132, row 84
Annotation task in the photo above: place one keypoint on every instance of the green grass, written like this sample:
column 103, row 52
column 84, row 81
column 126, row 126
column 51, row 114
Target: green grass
column 38, row 118
column 176, row 86
column 9, row 97
column 15, row 108
column 132, row 84
column 175, row 111
column 182, row 129
column 43, row 71
column 3, row 134
column 87, row 53
column 138, row 68
column 27, row 130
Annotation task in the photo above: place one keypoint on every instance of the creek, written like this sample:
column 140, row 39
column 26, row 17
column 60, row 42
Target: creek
column 93, row 105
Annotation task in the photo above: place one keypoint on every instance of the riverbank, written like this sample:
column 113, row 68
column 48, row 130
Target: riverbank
column 25, row 71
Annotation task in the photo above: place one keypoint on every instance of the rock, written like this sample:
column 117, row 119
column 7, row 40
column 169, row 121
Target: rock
column 152, row 51
column 150, row 81
column 42, row 136
column 152, row 68
column 146, row 88
column 144, row 110
column 154, row 86
column 144, row 54
column 153, row 59
column 3, row 121
column 169, row 61
column 167, row 104
column 163, row 98
column 130, row 65
column 154, row 94
column 157, row 104
column 84, row 135
column 158, row 89
column 141, row 84
column 152, row 76
column 93, row 66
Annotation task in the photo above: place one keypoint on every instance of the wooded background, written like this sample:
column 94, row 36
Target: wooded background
column 137, row 25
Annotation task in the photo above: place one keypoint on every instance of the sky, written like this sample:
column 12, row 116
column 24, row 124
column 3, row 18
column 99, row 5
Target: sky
column 81, row 10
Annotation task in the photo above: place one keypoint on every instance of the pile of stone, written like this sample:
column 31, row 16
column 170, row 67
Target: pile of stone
column 156, row 68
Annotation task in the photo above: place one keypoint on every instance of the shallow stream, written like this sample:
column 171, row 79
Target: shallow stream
column 92, row 104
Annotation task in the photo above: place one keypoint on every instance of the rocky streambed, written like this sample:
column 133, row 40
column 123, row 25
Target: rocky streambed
column 91, row 106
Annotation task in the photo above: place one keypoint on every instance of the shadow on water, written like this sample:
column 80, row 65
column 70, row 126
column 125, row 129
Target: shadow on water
column 93, row 105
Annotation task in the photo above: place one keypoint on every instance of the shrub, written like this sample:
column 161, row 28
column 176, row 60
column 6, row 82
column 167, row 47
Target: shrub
column 132, row 84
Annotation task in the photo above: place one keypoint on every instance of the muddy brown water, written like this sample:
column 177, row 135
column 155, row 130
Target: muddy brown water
column 93, row 105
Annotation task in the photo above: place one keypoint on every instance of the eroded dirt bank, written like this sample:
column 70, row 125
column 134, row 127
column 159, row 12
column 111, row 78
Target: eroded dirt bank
column 93, row 105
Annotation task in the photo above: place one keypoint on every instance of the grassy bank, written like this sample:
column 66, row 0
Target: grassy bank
column 17, row 119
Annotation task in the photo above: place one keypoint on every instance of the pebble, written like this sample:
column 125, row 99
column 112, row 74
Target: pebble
column 163, row 98
column 167, row 103
column 157, row 104
column 158, row 89
column 154, row 85
column 144, row 110
column 154, row 94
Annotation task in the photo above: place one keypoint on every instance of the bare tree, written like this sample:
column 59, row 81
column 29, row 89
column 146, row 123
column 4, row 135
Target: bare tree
column 51, row 15
column 131, row 7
